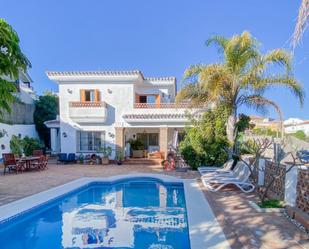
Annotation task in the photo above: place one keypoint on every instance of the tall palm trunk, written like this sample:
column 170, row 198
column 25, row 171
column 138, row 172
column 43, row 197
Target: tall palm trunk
column 231, row 131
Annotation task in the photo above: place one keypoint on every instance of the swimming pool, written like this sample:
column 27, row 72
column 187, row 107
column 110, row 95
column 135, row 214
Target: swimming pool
column 145, row 211
column 133, row 213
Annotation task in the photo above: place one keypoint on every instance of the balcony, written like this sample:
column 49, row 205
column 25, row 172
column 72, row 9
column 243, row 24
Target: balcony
column 161, row 105
column 88, row 112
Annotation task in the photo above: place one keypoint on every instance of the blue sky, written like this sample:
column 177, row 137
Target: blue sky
column 158, row 37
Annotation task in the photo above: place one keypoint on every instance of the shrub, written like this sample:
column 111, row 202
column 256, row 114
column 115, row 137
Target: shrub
column 30, row 144
column 265, row 132
column 205, row 143
column 136, row 144
column 16, row 145
column 26, row 145
column 300, row 135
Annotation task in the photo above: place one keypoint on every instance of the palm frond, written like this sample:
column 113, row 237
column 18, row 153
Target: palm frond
column 192, row 71
column 259, row 103
column 287, row 81
column 195, row 95
column 219, row 41
column 280, row 57
column 302, row 23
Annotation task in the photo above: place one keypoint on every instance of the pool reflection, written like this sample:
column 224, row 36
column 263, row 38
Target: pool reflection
column 130, row 215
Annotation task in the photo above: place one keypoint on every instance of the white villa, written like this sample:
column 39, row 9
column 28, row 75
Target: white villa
column 293, row 125
column 110, row 107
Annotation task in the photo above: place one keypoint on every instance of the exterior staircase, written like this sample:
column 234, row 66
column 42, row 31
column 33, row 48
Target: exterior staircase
column 142, row 161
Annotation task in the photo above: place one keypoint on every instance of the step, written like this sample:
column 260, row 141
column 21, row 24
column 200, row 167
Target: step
column 143, row 161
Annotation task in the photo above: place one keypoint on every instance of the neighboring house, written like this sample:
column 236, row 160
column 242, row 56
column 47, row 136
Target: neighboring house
column 109, row 108
column 293, row 125
column 19, row 121
column 265, row 123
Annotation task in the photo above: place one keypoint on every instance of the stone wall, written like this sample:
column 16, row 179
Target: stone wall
column 21, row 113
column 277, row 189
column 302, row 196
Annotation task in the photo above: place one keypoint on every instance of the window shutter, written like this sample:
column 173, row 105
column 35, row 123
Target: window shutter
column 137, row 98
column 97, row 95
column 82, row 95
column 158, row 99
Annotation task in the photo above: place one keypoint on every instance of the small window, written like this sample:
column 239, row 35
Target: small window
column 143, row 99
column 89, row 95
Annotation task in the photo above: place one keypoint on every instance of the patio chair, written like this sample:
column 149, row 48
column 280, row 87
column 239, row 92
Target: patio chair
column 240, row 179
column 226, row 167
column 62, row 158
column 37, row 153
column 41, row 164
column 11, row 163
column 303, row 155
column 71, row 158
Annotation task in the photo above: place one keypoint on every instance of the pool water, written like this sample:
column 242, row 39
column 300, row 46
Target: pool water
column 139, row 213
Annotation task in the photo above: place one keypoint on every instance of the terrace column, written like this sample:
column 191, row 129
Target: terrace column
column 163, row 140
column 119, row 133
column 290, row 192
column 53, row 140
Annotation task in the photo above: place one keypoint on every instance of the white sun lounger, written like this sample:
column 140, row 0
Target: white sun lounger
column 239, row 178
column 225, row 167
column 227, row 173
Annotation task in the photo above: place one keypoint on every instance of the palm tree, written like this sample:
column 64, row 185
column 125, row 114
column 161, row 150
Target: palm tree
column 241, row 79
column 301, row 24
column 11, row 61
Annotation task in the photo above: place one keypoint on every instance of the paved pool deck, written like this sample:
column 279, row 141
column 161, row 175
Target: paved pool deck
column 243, row 226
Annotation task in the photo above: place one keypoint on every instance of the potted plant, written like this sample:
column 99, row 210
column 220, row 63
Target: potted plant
column 81, row 159
column 106, row 151
column 137, row 147
column 119, row 157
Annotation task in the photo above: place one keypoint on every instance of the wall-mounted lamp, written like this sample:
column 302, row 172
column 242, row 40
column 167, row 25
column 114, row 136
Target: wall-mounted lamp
column 109, row 91
column 111, row 135
column 69, row 91
column 2, row 146
column 64, row 134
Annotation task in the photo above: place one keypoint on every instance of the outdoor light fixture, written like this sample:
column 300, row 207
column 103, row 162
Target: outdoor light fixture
column 109, row 91
column 69, row 91
column 64, row 134
column 111, row 135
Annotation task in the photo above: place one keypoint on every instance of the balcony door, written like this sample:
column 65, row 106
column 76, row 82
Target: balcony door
column 150, row 141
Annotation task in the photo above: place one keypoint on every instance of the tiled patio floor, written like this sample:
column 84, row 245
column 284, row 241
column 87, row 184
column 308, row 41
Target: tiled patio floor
column 244, row 227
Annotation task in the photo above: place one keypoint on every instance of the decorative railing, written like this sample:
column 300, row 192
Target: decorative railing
column 161, row 105
column 87, row 104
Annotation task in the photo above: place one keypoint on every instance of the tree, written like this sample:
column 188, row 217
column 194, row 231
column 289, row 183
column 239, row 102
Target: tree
column 257, row 148
column 11, row 61
column 300, row 135
column 241, row 79
column 301, row 23
column 46, row 108
column 205, row 143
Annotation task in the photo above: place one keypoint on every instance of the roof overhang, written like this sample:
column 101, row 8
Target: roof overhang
column 134, row 76
column 52, row 123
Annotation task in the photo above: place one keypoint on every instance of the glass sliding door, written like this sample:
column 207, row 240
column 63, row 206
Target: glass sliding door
column 89, row 141
column 150, row 140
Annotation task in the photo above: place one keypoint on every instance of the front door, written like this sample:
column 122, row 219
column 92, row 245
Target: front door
column 150, row 141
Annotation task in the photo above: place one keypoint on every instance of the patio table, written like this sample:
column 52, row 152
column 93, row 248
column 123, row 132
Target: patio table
column 28, row 161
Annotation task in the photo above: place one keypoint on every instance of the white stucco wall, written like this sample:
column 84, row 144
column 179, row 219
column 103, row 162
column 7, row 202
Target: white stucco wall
column 24, row 130
column 298, row 127
column 119, row 95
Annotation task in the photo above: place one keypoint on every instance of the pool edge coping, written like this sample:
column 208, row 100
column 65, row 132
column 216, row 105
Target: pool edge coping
column 204, row 229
